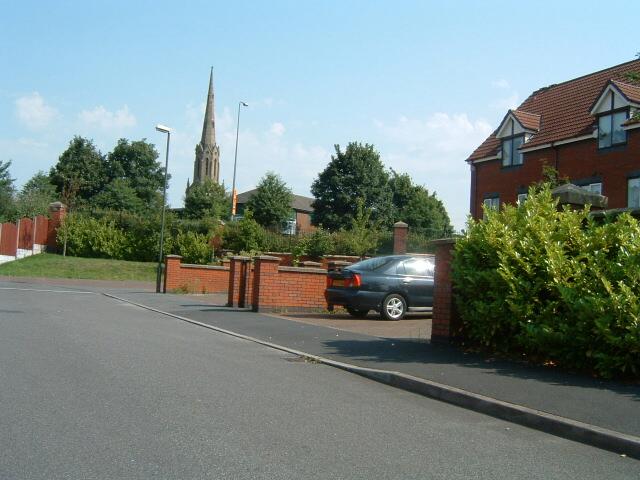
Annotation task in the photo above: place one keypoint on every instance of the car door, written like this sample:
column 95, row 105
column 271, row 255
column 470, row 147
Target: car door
column 416, row 281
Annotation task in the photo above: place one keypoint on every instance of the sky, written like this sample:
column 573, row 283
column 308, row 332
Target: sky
column 425, row 82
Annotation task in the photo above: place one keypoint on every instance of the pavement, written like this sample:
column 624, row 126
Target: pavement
column 95, row 388
column 598, row 412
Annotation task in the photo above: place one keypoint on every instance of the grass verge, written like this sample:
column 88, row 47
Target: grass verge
column 56, row 266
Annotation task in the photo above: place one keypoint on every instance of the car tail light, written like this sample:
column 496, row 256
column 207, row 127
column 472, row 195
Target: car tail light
column 354, row 281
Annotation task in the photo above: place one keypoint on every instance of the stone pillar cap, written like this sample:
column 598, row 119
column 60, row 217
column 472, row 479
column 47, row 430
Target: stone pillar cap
column 400, row 225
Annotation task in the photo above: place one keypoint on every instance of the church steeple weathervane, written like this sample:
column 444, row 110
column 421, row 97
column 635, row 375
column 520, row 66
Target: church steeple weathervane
column 207, row 162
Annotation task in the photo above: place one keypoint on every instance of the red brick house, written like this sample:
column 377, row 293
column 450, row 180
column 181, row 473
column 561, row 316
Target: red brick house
column 584, row 128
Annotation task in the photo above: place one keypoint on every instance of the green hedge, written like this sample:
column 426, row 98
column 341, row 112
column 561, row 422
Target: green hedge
column 554, row 285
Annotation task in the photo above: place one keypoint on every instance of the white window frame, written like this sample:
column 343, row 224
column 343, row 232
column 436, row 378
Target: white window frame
column 637, row 193
column 492, row 203
column 522, row 197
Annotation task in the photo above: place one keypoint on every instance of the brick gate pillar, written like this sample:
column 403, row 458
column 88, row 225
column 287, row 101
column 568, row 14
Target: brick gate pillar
column 265, row 281
column 238, row 275
column 172, row 277
column 57, row 212
column 400, row 233
column 445, row 324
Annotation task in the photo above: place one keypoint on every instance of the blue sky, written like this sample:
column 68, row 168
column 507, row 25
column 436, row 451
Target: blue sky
column 425, row 82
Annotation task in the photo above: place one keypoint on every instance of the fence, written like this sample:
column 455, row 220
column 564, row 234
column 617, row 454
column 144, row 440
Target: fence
column 29, row 236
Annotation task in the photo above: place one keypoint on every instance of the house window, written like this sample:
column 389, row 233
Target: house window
column 594, row 188
column 510, row 153
column 633, row 193
column 492, row 203
column 610, row 131
column 521, row 198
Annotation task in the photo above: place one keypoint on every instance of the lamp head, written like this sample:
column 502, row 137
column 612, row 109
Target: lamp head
column 163, row 128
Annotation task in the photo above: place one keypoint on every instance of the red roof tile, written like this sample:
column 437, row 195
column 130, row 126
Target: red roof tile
column 530, row 121
column 564, row 108
column 632, row 92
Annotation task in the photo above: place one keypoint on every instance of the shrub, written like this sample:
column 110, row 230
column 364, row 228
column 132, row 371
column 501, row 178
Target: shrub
column 194, row 247
column 552, row 284
column 244, row 235
column 88, row 237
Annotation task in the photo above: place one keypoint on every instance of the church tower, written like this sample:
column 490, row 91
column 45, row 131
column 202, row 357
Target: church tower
column 207, row 163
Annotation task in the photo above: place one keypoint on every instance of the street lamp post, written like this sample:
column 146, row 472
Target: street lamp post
column 167, row 130
column 235, row 163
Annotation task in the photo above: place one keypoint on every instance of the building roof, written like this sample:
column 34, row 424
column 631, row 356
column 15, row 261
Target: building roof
column 530, row 121
column 298, row 203
column 564, row 109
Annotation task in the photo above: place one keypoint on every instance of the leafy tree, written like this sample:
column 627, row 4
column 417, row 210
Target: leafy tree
column 7, row 192
column 414, row 205
column 136, row 162
column 81, row 167
column 271, row 204
column 360, row 238
column 207, row 200
column 355, row 173
column 36, row 195
column 119, row 195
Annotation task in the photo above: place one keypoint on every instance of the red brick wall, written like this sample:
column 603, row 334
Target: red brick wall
column 303, row 223
column 195, row 278
column 445, row 324
column 576, row 161
column 288, row 287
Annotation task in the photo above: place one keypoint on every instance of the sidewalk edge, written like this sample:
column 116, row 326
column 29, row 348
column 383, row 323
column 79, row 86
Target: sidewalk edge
column 549, row 423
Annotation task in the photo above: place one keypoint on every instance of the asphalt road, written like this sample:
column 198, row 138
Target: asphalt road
column 91, row 388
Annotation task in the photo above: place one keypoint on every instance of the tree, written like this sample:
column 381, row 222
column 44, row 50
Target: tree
column 119, row 195
column 36, row 195
column 355, row 173
column 414, row 205
column 136, row 163
column 83, row 165
column 271, row 204
column 7, row 192
column 207, row 200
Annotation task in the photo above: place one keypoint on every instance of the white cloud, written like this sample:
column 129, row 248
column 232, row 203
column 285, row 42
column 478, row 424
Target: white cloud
column 432, row 151
column 500, row 83
column 277, row 129
column 33, row 112
column 107, row 120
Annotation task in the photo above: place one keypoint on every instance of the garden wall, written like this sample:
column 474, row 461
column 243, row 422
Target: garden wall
column 194, row 278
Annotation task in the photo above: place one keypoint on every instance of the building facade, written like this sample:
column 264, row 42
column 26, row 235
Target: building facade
column 207, row 161
column 587, row 129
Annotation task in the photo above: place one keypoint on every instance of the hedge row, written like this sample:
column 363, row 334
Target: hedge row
column 555, row 285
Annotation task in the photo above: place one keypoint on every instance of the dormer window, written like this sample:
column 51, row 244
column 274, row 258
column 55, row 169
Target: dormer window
column 611, row 109
column 610, row 131
column 515, row 129
column 511, row 155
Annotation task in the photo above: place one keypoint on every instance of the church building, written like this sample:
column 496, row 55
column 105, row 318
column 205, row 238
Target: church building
column 207, row 162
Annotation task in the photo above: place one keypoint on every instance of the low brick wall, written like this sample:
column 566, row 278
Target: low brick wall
column 291, row 288
column 194, row 278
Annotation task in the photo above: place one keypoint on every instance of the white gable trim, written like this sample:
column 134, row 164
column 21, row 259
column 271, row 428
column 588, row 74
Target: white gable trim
column 505, row 129
column 603, row 104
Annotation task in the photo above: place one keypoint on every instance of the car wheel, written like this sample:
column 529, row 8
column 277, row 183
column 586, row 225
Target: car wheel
column 357, row 313
column 393, row 307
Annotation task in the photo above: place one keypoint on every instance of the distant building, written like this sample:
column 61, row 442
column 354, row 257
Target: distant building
column 301, row 210
column 207, row 161
column 584, row 128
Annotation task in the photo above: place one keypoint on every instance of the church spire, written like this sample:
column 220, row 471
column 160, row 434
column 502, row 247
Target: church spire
column 209, row 125
column 207, row 161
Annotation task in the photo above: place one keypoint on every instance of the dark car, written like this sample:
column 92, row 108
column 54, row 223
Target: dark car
column 390, row 285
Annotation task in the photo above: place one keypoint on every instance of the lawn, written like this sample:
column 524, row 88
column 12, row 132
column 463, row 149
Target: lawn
column 57, row 266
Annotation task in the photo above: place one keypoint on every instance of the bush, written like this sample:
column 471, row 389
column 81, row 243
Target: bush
column 244, row 235
column 89, row 237
column 193, row 247
column 552, row 284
